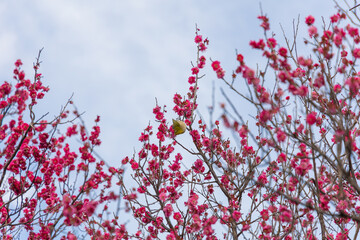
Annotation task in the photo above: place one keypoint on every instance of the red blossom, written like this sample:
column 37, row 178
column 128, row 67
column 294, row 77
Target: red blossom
column 215, row 65
column 262, row 179
column 236, row 215
column 334, row 18
column 282, row 52
column 310, row 20
column 198, row 39
column 281, row 136
column 281, row 158
column 354, row 84
column 337, row 88
column 280, row 163
column 311, row 118
column 240, row 58
column 271, row 42
column 258, row 45
column 220, row 73
column 195, row 70
column 265, row 22
column 356, row 52
column 353, row 31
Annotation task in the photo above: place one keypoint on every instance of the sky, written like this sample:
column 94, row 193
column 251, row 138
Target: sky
column 119, row 57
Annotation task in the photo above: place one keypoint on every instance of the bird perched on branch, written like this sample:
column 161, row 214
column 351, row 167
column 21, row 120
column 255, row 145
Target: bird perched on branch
column 179, row 127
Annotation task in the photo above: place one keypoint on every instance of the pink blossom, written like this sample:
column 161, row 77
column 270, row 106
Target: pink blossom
column 141, row 189
column 240, row 58
column 168, row 209
column 353, row 31
column 312, row 31
column 353, row 83
column 338, row 40
column 71, row 236
column 236, row 215
column 282, row 52
column 177, row 216
column 215, row 65
column 285, row 214
column 195, row 70
column 258, row 45
column 342, row 205
column 281, row 136
column 324, row 202
column 309, row 20
column 243, row 131
column 271, row 43
column 220, row 73
column 18, row 63
column 334, row 18
column 191, row 79
column 134, row 165
column 245, row 227
column 281, row 158
column 356, row 52
column 319, row 81
column 337, row 88
column 304, row 167
column 311, row 118
column 342, row 236
column 264, row 214
column 266, row 228
column 198, row 166
column 262, row 179
column 264, row 116
column 202, row 47
column 265, row 22
column 198, row 38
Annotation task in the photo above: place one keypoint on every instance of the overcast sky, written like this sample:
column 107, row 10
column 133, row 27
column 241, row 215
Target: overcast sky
column 117, row 56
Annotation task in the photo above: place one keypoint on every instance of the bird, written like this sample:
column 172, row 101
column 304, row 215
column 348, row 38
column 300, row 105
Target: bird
column 179, row 127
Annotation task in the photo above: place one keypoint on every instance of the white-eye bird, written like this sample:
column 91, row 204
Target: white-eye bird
column 179, row 127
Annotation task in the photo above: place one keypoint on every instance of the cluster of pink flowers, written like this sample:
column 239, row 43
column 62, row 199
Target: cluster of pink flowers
column 218, row 69
column 291, row 172
column 38, row 167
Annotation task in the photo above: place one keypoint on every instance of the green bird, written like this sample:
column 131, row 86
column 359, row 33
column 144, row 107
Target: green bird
column 179, row 127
